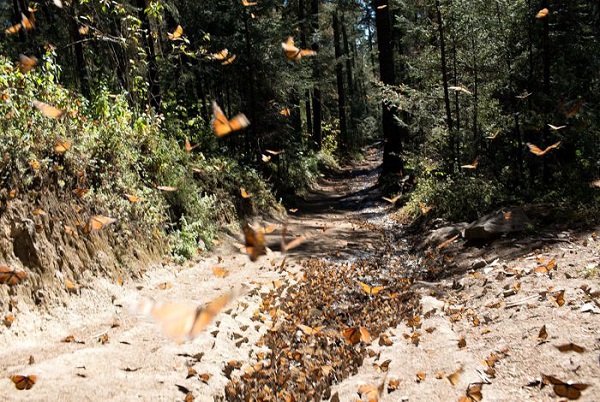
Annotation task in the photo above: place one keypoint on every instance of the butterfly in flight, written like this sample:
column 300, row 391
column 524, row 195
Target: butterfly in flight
column 255, row 242
column 176, row 35
column 222, row 126
column 294, row 53
column 538, row 152
column 47, row 110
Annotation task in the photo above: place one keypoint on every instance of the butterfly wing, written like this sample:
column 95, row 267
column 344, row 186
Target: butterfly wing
column 204, row 316
column 255, row 243
column 13, row 29
column 291, row 51
column 47, row 110
column 238, row 122
column 220, row 123
column 535, row 149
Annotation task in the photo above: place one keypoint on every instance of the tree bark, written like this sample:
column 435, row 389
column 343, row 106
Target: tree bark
column 316, row 96
column 154, row 96
column 344, row 144
column 449, row 121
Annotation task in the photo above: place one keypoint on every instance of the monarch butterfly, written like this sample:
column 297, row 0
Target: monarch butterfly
column 371, row 392
column 166, row 188
column 538, row 152
column 471, row 166
column 309, row 330
column 473, row 393
column 556, row 128
column 255, row 243
column 285, row 112
column 182, row 321
column 266, row 158
column 11, row 277
column 229, row 60
column 84, row 29
column 13, row 29
column 460, row 89
column 222, row 126
column 176, row 35
column 269, row 151
column 543, row 13
column 28, row 23
column 392, row 200
column 543, row 334
column 293, row 53
column 97, row 222
column 189, row 147
column 220, row 272
column 244, row 193
column 294, row 243
column 424, row 208
column 80, row 192
column 133, row 198
column 568, row 390
column 26, row 64
column 47, row 110
column 246, row 3
column 383, row 367
column 371, row 290
column 61, row 146
column 23, row 382
column 570, row 347
column 453, row 378
column 222, row 55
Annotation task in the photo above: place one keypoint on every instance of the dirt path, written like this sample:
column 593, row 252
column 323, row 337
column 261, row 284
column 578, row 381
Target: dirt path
column 348, row 224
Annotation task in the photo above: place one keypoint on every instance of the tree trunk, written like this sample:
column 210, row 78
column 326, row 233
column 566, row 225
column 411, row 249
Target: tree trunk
column 316, row 98
column 344, row 143
column 392, row 141
column 153, row 77
column 449, row 122
column 82, row 73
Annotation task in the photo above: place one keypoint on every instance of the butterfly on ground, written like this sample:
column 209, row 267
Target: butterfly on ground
column 10, row 276
column 183, row 321
column 176, row 35
column 473, row 393
column 97, row 222
column 370, row 290
column 568, row 390
column 26, row 63
column 222, row 126
column 254, row 242
column 23, row 382
column 355, row 335
column 47, row 110
column 294, row 53
column 534, row 149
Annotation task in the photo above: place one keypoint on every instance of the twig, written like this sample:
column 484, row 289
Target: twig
column 522, row 301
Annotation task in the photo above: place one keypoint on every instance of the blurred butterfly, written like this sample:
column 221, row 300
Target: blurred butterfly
column 453, row 378
column 383, row 367
column 471, row 166
column 229, row 60
column 246, row 3
column 222, row 126
column 424, row 208
column 381, row 7
column 460, row 89
column 298, row 240
column 26, row 64
column 244, row 193
column 176, row 35
column 166, row 188
column 493, row 136
column 524, row 96
column 47, row 110
column 473, row 393
column 222, row 55
column 61, row 146
column 97, row 222
column 538, row 152
column 371, row 393
column 27, row 23
column 567, row 389
column 556, row 128
column 220, row 272
column 574, row 110
column 392, row 200
column 265, row 158
column 182, row 321
column 11, row 277
column 269, row 151
column 293, row 53
column 13, row 29
column 189, row 147
column 83, row 30
column 23, row 382
column 285, row 112
column 357, row 334
column 133, row 198
column 570, row 347
column 80, row 192
column 255, row 243
column 309, row 330
column 543, row 13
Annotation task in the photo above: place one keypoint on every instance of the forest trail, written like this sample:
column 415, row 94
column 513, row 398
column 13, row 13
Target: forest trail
column 497, row 308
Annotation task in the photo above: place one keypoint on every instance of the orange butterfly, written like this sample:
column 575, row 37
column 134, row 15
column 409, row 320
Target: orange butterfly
column 285, row 112
column 473, row 393
column 370, row 290
column 269, row 151
column 244, row 193
column 13, row 29
column 26, row 64
column 493, row 136
column 182, row 321
column 471, row 166
column 47, row 110
column 392, row 200
column 229, row 60
column 309, row 330
column 23, row 382
column 246, row 3
column 574, row 110
column 189, row 147
column 176, row 35
column 97, row 222
column 543, row 13
column 222, row 126
column 293, row 53
column 222, row 55
column 11, row 277
column 265, row 158
column 61, row 146
column 371, row 393
column 538, row 152
column 295, row 242
column 27, row 23
column 80, row 192
column 255, row 243
column 133, row 198
column 83, row 30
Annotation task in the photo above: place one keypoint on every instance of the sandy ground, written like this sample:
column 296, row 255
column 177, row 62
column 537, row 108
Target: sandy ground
column 499, row 307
